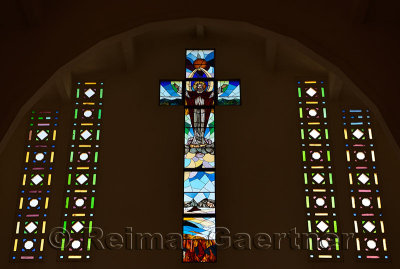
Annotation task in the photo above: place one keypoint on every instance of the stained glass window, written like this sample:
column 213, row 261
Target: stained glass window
column 35, row 191
column 199, row 160
column 200, row 64
column 170, row 93
column 364, row 178
column 316, row 155
column 82, row 171
column 199, row 93
column 229, row 93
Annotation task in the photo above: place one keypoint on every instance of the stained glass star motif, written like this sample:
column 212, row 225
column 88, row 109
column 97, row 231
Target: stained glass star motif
column 37, row 179
column 89, row 93
column 42, row 135
column 358, row 133
column 322, row 226
column 31, row 227
column 86, row 134
column 311, row 92
column 318, row 178
column 77, row 227
column 82, row 179
column 363, row 178
column 369, row 226
column 315, row 134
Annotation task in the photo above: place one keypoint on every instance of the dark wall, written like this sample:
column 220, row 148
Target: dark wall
column 361, row 37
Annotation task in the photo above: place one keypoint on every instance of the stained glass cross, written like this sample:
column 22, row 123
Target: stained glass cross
column 199, row 93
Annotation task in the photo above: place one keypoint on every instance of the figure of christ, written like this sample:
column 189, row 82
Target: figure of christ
column 199, row 116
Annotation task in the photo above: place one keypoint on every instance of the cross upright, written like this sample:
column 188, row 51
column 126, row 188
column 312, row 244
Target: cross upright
column 199, row 93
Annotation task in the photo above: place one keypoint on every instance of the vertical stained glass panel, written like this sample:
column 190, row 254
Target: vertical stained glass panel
column 35, row 189
column 364, row 180
column 82, row 172
column 316, row 156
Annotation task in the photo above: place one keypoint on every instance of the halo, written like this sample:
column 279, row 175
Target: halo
column 210, row 85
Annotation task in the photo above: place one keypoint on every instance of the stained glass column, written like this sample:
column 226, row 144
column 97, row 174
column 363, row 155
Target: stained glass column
column 82, row 171
column 199, row 93
column 364, row 178
column 316, row 157
column 199, row 160
column 35, row 190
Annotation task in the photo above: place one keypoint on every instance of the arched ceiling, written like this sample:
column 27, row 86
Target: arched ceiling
column 360, row 37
